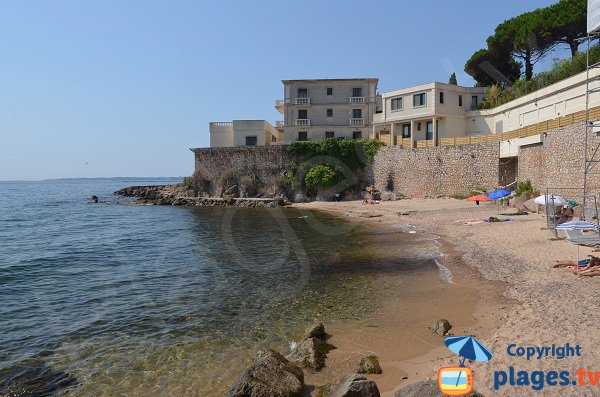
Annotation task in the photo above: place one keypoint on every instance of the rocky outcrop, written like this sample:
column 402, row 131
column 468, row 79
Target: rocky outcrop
column 316, row 330
column 270, row 375
column 351, row 385
column 177, row 195
column 440, row 327
column 369, row 364
column 311, row 353
column 425, row 389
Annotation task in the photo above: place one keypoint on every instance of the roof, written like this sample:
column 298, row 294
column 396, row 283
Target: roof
column 373, row 79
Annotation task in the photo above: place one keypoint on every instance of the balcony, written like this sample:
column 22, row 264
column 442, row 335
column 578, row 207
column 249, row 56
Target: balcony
column 357, row 122
column 354, row 100
column 303, row 101
column 303, row 122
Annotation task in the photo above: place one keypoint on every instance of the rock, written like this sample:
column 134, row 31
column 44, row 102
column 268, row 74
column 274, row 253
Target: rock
column 278, row 201
column 369, row 364
column 300, row 198
column 94, row 199
column 269, row 375
column 529, row 205
column 427, row 388
column 440, row 327
column 388, row 196
column 310, row 353
column 404, row 213
column 351, row 385
column 370, row 215
column 316, row 330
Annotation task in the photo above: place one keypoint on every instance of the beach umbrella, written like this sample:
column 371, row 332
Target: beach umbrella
column 550, row 199
column 469, row 348
column 577, row 225
column 498, row 194
column 479, row 197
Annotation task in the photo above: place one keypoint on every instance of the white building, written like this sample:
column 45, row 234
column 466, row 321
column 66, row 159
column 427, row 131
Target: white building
column 328, row 108
column 426, row 112
column 244, row 133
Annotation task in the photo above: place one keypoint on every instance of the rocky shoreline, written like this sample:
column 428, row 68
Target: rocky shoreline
column 177, row 195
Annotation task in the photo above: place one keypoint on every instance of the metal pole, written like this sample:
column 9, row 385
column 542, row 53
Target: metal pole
column 587, row 120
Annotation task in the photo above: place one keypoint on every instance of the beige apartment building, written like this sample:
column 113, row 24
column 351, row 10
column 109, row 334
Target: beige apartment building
column 245, row 133
column 427, row 112
column 328, row 108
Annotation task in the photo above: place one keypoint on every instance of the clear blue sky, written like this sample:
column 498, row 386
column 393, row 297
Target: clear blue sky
column 124, row 88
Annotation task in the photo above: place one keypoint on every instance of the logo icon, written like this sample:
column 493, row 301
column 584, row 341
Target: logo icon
column 455, row 381
column 458, row 381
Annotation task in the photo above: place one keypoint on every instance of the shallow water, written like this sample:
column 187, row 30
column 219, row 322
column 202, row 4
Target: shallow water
column 109, row 299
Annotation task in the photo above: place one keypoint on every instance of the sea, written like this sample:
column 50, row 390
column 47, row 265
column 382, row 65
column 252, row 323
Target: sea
column 117, row 299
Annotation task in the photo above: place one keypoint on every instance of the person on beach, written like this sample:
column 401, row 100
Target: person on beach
column 566, row 215
column 586, row 264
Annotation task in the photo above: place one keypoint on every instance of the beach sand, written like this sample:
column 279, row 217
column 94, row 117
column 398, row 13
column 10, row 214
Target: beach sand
column 506, row 272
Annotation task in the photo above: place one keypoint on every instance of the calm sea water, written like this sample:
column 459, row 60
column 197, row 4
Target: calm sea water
column 112, row 299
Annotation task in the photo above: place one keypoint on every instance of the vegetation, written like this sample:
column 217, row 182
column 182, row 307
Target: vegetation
column 525, row 39
column 524, row 187
column 320, row 176
column 562, row 69
column 197, row 182
column 452, row 80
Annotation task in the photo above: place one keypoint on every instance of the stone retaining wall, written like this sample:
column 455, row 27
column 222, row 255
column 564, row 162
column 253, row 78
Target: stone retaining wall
column 436, row 171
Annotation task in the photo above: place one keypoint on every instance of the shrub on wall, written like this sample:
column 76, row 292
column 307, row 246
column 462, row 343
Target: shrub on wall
column 320, row 176
column 197, row 182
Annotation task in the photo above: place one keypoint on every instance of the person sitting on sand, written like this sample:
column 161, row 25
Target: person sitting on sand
column 566, row 215
column 585, row 264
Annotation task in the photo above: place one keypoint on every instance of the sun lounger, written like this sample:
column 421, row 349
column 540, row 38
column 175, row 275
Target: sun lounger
column 577, row 237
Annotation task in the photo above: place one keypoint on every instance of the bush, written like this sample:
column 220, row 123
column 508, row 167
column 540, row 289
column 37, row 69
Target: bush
column 459, row 196
column 523, row 187
column 197, row 182
column 249, row 185
column 320, row 175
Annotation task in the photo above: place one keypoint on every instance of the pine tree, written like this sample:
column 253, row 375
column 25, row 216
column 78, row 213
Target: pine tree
column 452, row 79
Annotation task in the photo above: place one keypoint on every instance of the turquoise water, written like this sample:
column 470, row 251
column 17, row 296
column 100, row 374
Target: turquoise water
column 113, row 299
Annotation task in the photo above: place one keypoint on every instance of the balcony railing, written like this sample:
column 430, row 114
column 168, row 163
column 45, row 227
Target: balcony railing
column 354, row 122
column 302, row 122
column 303, row 101
column 357, row 99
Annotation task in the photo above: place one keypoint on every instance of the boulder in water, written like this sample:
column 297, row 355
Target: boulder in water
column 351, row 385
column 269, row 375
column 310, row 353
column 316, row 330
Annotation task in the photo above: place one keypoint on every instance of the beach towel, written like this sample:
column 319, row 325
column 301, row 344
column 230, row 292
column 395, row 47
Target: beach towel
column 494, row 219
column 515, row 213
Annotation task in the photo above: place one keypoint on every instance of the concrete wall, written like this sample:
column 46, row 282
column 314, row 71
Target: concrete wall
column 437, row 171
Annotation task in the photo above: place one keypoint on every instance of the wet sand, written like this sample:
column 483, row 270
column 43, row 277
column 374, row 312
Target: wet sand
column 506, row 273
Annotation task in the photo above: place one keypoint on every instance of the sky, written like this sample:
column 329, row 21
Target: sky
column 125, row 88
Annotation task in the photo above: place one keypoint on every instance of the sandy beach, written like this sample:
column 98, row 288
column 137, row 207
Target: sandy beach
column 507, row 275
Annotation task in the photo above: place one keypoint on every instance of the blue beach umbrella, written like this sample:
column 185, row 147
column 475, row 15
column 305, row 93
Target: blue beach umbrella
column 498, row 194
column 468, row 347
column 577, row 225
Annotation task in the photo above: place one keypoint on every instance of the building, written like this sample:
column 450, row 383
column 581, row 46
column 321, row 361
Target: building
column 245, row 133
column 328, row 108
column 427, row 112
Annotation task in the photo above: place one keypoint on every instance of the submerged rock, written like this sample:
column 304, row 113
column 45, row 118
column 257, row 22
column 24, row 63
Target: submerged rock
column 369, row 364
column 351, row 385
column 311, row 353
column 270, row 375
column 427, row 388
column 440, row 327
column 34, row 378
column 316, row 330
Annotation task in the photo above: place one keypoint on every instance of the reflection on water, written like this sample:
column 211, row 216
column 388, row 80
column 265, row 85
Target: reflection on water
column 106, row 299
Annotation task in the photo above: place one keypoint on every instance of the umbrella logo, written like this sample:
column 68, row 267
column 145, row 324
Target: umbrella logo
column 458, row 381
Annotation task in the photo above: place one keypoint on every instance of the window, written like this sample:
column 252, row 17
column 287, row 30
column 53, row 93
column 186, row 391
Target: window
column 357, row 92
column 329, row 134
column 474, row 101
column 419, row 126
column 357, row 113
column 429, row 132
column 273, row 138
column 302, row 114
column 460, row 100
column 329, row 112
column 302, row 136
column 397, row 103
column 441, row 97
column 329, row 91
column 251, row 140
column 357, row 135
column 419, row 100
column 405, row 130
column 302, row 93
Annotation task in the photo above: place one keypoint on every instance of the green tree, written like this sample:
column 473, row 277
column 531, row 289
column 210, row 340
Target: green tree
column 567, row 22
column 320, row 175
column 495, row 66
column 452, row 79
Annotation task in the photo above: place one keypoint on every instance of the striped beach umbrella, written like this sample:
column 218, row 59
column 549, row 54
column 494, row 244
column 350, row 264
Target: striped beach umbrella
column 468, row 347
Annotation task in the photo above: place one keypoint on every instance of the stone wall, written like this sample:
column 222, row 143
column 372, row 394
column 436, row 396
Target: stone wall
column 558, row 162
column 262, row 162
column 436, row 171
